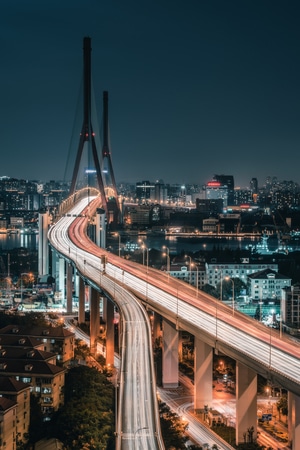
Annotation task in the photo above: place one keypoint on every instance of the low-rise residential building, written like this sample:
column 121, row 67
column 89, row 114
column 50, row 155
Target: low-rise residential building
column 38, row 366
column 46, row 380
column 56, row 340
column 8, row 432
column 196, row 277
column 267, row 284
column 210, row 225
column 19, row 393
column 15, row 341
column 215, row 272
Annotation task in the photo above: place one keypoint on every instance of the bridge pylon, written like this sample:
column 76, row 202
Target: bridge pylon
column 113, row 205
column 97, row 170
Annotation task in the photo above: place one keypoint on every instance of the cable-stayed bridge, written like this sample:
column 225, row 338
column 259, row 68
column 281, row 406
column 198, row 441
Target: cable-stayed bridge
column 136, row 289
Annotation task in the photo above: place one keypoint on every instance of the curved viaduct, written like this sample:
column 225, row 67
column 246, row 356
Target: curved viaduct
column 256, row 348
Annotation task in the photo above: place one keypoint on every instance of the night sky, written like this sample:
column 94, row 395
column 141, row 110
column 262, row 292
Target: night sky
column 196, row 87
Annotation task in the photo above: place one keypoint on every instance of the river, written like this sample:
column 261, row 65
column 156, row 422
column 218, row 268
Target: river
column 17, row 240
column 175, row 244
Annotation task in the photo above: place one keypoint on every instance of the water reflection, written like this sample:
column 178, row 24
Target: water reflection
column 17, row 240
column 180, row 244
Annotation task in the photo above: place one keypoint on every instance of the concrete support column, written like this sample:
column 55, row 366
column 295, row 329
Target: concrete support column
column 294, row 420
column 110, row 331
column 76, row 284
column 203, row 359
column 180, row 342
column 170, row 355
column 55, row 268
column 69, row 288
column 156, row 326
column 101, row 228
column 61, row 282
column 43, row 253
column 246, row 404
column 81, row 301
column 94, row 320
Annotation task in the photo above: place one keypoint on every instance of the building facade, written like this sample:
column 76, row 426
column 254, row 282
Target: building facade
column 267, row 284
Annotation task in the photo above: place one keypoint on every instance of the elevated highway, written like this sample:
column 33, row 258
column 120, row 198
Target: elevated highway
column 258, row 347
column 138, row 423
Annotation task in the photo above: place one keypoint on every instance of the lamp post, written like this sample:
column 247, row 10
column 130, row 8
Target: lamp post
column 270, row 355
column 280, row 319
column 228, row 278
column 197, row 280
column 144, row 247
column 119, row 236
column 167, row 254
column 221, row 298
column 260, row 303
column 187, row 256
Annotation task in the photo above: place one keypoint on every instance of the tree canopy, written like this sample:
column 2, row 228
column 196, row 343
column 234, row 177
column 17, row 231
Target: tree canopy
column 86, row 421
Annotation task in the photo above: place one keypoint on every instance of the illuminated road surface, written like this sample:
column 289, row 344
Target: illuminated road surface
column 138, row 425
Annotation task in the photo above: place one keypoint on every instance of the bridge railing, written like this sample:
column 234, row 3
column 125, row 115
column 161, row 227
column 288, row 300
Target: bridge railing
column 69, row 202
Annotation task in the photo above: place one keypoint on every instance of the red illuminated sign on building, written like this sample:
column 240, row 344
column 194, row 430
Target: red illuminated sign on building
column 214, row 183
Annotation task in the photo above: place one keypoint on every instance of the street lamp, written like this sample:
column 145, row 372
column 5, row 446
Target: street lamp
column 270, row 355
column 217, row 278
column 280, row 319
column 167, row 254
column 197, row 281
column 228, row 278
column 260, row 303
column 118, row 234
column 187, row 256
column 144, row 247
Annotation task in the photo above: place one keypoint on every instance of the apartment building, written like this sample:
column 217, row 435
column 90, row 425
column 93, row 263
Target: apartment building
column 267, row 284
column 54, row 339
column 215, row 272
column 16, row 424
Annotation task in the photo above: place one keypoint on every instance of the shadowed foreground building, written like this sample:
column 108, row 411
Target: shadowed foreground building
column 14, row 412
column 37, row 365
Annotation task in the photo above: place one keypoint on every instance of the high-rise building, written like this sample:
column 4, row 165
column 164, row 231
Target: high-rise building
column 143, row 191
column 215, row 190
column 254, row 185
column 227, row 180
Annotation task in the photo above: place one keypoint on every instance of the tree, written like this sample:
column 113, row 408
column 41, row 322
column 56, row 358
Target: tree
column 211, row 290
column 81, row 350
column 31, row 319
column 172, row 428
column 229, row 284
column 282, row 406
column 86, row 421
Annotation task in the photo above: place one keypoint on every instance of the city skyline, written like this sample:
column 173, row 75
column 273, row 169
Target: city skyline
column 194, row 90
